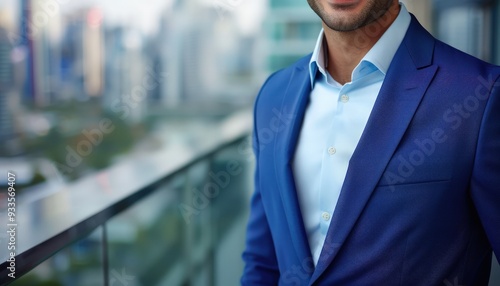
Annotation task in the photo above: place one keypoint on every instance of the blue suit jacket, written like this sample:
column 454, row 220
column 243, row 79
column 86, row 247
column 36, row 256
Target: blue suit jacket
column 420, row 204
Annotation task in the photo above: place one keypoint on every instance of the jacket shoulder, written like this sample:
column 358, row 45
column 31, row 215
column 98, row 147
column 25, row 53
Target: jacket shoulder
column 281, row 78
column 277, row 83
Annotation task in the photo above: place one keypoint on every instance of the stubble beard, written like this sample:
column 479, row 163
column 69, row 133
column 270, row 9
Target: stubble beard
column 371, row 12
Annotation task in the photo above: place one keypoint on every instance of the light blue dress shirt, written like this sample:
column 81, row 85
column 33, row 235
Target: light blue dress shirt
column 334, row 121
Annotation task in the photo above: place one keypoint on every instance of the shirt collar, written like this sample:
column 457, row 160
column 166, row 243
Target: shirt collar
column 380, row 55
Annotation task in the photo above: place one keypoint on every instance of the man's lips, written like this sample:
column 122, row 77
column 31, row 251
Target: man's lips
column 343, row 3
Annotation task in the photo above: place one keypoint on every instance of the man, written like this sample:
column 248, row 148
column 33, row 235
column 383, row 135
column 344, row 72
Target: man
column 378, row 158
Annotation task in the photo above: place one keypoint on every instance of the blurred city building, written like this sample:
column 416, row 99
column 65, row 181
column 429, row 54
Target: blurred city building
column 470, row 25
column 207, row 60
column 291, row 29
column 6, row 89
column 66, row 66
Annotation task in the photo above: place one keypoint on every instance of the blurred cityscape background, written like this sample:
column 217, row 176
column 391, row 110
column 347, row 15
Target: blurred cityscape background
column 88, row 86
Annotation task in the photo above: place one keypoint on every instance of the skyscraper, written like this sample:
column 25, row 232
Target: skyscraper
column 6, row 88
column 83, row 54
column 93, row 53
column 25, row 40
column 37, row 18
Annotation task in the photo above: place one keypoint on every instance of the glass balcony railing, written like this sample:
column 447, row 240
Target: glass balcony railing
column 156, row 220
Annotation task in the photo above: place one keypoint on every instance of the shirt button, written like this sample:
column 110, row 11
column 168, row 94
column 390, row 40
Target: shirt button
column 325, row 216
column 344, row 98
column 332, row 150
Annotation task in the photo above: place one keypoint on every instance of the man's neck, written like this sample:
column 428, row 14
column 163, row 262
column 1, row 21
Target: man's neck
column 346, row 49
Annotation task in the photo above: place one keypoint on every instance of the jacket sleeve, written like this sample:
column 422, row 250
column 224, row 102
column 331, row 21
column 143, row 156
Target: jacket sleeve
column 261, row 267
column 485, row 183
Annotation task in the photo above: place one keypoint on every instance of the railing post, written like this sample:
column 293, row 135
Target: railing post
column 187, row 233
column 105, row 257
column 211, row 226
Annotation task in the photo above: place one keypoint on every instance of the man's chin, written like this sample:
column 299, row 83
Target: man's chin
column 343, row 21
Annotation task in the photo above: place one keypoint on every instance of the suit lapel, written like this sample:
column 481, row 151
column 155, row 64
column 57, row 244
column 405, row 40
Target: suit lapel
column 406, row 82
column 294, row 103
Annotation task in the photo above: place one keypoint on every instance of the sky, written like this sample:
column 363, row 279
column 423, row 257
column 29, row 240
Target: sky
column 145, row 13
